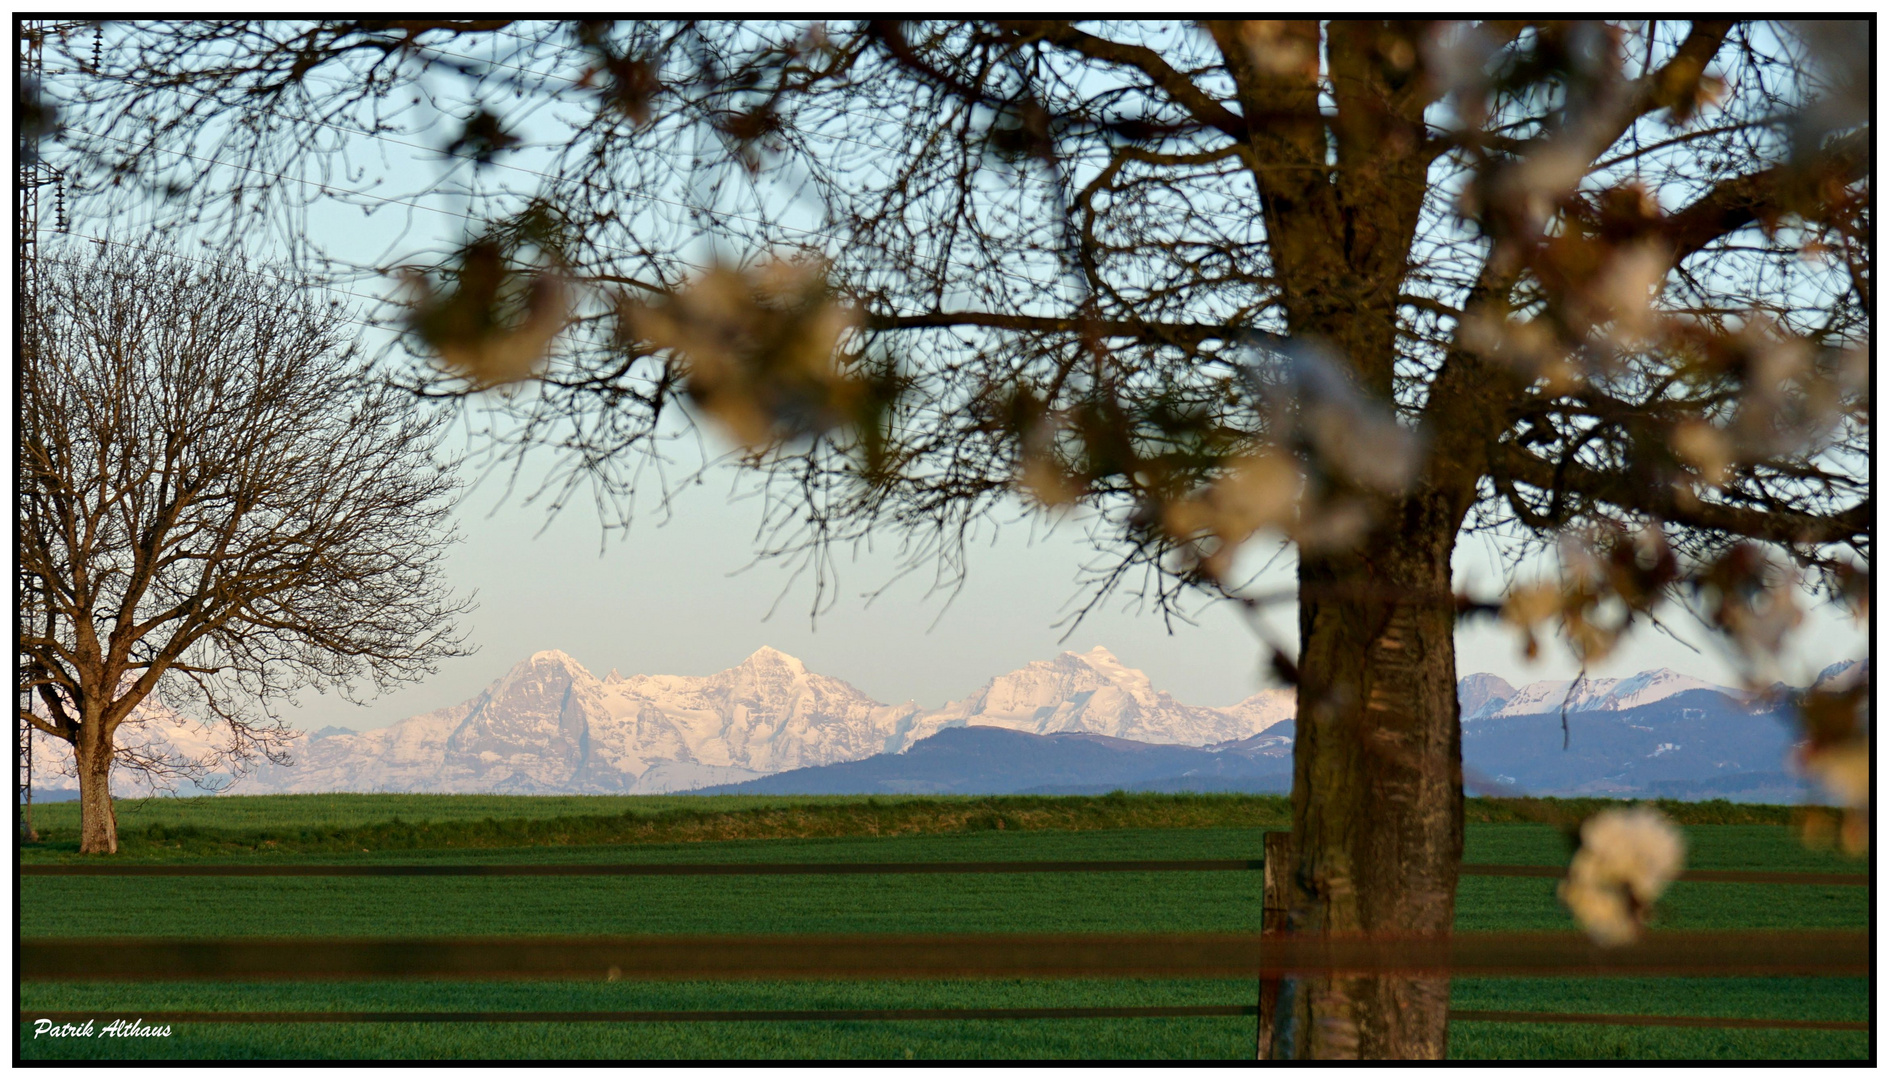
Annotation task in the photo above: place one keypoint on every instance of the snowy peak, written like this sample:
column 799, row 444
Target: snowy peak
column 530, row 731
column 768, row 674
column 1132, row 681
column 552, row 666
column 765, row 714
column 1646, row 688
column 550, row 657
column 1486, row 697
column 549, row 725
column 769, row 658
column 1536, row 697
column 1036, row 692
column 1094, row 692
column 1266, row 709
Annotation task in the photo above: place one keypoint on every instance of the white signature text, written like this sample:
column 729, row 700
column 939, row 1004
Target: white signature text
column 118, row 1028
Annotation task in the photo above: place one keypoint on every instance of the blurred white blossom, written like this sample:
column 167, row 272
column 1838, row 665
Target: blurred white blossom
column 1626, row 860
column 1258, row 491
column 760, row 348
column 1282, row 49
column 1843, row 771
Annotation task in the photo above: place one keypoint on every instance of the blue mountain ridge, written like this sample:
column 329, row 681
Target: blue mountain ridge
column 1698, row 744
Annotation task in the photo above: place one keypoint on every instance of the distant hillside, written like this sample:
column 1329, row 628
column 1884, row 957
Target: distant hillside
column 997, row 761
column 1696, row 744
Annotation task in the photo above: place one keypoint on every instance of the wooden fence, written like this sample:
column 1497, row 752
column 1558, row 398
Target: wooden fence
column 1267, row 956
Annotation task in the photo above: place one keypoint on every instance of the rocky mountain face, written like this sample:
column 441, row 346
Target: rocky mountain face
column 1475, row 692
column 765, row 715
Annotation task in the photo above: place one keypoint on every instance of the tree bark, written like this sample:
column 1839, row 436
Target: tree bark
column 98, row 820
column 1377, row 793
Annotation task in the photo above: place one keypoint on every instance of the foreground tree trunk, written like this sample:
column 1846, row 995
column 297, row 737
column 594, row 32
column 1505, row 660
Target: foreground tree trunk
column 98, row 820
column 1377, row 793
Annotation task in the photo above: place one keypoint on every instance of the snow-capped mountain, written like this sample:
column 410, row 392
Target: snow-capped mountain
column 1493, row 699
column 1095, row 693
column 767, row 714
column 1691, row 745
column 1266, row 710
column 981, row 760
column 549, row 725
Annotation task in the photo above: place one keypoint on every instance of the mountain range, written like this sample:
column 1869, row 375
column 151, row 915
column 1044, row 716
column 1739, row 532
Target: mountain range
column 1078, row 722
column 549, row 725
column 1653, row 735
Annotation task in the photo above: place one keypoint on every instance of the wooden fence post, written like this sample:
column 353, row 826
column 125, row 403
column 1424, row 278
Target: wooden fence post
column 1278, row 897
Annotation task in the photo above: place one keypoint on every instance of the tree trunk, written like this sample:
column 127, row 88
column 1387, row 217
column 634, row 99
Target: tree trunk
column 1377, row 793
column 28, row 834
column 98, row 821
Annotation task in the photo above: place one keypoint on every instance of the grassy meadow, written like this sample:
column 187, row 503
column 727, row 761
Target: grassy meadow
column 273, row 825
column 407, row 828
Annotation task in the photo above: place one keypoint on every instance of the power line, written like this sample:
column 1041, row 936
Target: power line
column 34, row 173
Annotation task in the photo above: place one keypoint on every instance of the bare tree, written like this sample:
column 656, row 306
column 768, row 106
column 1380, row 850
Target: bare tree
column 1363, row 285
column 215, row 506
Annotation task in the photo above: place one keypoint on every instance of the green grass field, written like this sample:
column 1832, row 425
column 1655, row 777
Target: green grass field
column 311, row 828
column 275, row 825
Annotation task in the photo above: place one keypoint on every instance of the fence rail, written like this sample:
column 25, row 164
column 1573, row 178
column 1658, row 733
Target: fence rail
column 692, row 1016
column 941, row 956
column 1746, row 877
column 631, row 869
